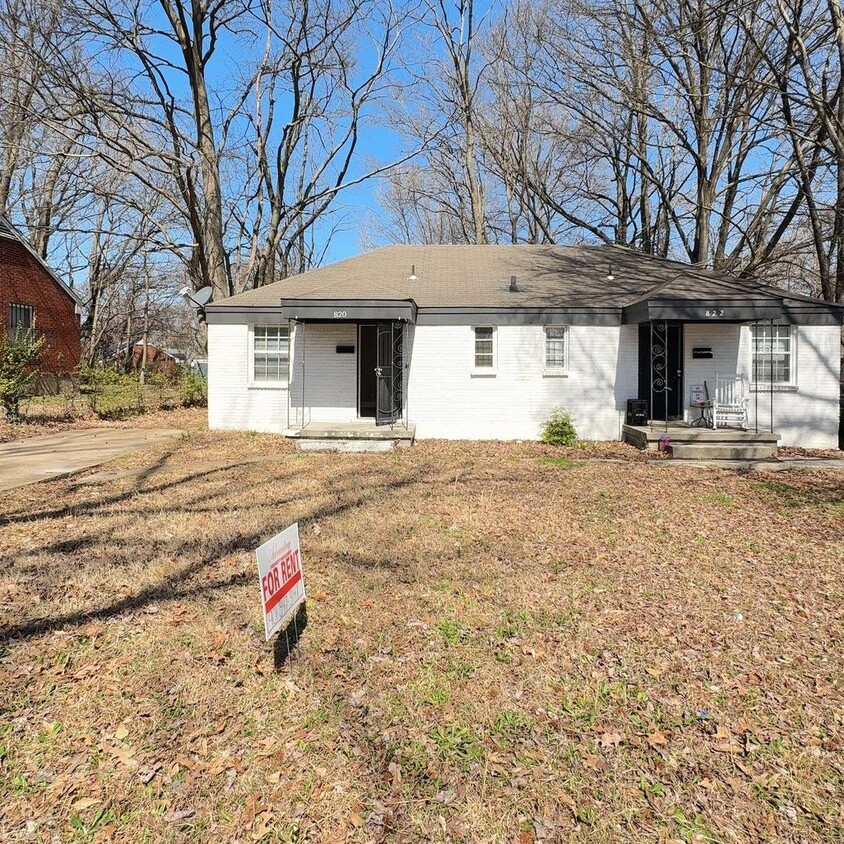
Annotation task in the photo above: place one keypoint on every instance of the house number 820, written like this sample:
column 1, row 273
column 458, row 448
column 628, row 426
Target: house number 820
column 339, row 314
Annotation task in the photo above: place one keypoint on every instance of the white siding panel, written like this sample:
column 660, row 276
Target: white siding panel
column 232, row 402
column 446, row 400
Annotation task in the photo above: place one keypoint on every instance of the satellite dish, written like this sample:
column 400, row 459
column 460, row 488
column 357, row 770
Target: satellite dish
column 203, row 296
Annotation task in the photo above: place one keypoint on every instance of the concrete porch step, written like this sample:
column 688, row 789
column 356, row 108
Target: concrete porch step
column 351, row 437
column 723, row 451
column 648, row 437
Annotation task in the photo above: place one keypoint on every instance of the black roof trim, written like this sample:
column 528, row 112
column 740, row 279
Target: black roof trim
column 722, row 309
column 353, row 310
column 745, row 308
column 519, row 316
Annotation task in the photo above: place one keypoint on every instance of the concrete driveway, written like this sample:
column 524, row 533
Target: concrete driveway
column 55, row 455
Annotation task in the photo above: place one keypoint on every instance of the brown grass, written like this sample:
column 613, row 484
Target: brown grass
column 501, row 647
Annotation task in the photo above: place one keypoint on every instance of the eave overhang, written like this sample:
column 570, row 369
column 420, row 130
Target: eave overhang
column 727, row 309
column 348, row 310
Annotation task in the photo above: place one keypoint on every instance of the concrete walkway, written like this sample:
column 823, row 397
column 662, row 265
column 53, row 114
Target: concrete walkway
column 35, row 459
column 781, row 465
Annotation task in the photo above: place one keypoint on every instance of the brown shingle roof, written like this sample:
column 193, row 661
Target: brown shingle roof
column 479, row 276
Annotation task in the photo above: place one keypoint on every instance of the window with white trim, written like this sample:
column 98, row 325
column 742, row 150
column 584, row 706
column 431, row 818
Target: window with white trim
column 270, row 353
column 556, row 353
column 773, row 359
column 484, row 347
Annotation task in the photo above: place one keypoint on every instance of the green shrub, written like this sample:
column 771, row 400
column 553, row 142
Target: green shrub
column 113, row 394
column 559, row 429
column 194, row 389
column 19, row 355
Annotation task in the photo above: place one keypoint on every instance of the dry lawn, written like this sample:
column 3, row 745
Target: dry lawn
column 502, row 646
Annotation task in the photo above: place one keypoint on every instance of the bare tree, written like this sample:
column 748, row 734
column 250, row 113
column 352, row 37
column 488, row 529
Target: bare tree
column 451, row 202
column 311, row 95
column 26, row 30
column 455, row 22
column 160, row 114
column 807, row 67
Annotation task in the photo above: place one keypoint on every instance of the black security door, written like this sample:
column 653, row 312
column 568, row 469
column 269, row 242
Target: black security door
column 661, row 368
column 388, row 371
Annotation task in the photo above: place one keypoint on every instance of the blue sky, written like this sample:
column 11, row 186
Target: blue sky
column 379, row 142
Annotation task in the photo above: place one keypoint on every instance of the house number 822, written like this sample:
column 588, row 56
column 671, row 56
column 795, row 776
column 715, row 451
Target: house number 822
column 715, row 312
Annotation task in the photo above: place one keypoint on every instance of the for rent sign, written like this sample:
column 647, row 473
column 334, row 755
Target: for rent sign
column 282, row 586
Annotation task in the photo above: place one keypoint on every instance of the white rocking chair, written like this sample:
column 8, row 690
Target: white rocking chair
column 729, row 404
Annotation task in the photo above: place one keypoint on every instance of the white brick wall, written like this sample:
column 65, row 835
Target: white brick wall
column 805, row 414
column 232, row 402
column 723, row 339
column 324, row 387
column 446, row 400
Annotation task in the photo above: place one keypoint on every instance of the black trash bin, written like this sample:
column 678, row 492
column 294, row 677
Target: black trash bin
column 637, row 412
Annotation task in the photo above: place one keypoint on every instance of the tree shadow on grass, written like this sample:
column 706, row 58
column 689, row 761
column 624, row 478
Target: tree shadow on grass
column 177, row 585
column 85, row 508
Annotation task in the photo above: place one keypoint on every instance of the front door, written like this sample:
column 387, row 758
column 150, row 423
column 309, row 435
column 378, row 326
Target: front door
column 661, row 368
column 388, row 372
column 367, row 362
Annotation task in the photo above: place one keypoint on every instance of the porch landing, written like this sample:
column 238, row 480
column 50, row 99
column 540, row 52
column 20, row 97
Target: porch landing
column 691, row 443
column 360, row 435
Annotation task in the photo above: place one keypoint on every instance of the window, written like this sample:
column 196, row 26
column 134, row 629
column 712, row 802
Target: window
column 555, row 347
column 21, row 317
column 270, row 352
column 484, row 348
column 772, row 354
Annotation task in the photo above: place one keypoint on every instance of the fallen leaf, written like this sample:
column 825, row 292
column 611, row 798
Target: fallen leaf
column 610, row 740
column 180, row 815
column 264, row 825
column 85, row 803
column 727, row 747
column 657, row 739
column 395, row 769
column 105, row 833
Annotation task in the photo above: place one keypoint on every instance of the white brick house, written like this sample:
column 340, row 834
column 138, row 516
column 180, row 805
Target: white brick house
column 468, row 342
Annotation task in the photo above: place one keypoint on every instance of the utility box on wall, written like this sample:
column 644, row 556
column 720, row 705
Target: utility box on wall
column 637, row 412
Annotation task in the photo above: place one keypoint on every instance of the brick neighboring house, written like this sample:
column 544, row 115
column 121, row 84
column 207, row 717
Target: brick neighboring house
column 159, row 359
column 32, row 293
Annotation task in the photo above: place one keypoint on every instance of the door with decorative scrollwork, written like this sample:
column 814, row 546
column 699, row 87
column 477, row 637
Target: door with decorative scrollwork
column 389, row 372
column 661, row 368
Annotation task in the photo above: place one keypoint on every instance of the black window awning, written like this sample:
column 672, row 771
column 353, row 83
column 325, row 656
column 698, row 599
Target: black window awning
column 348, row 310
